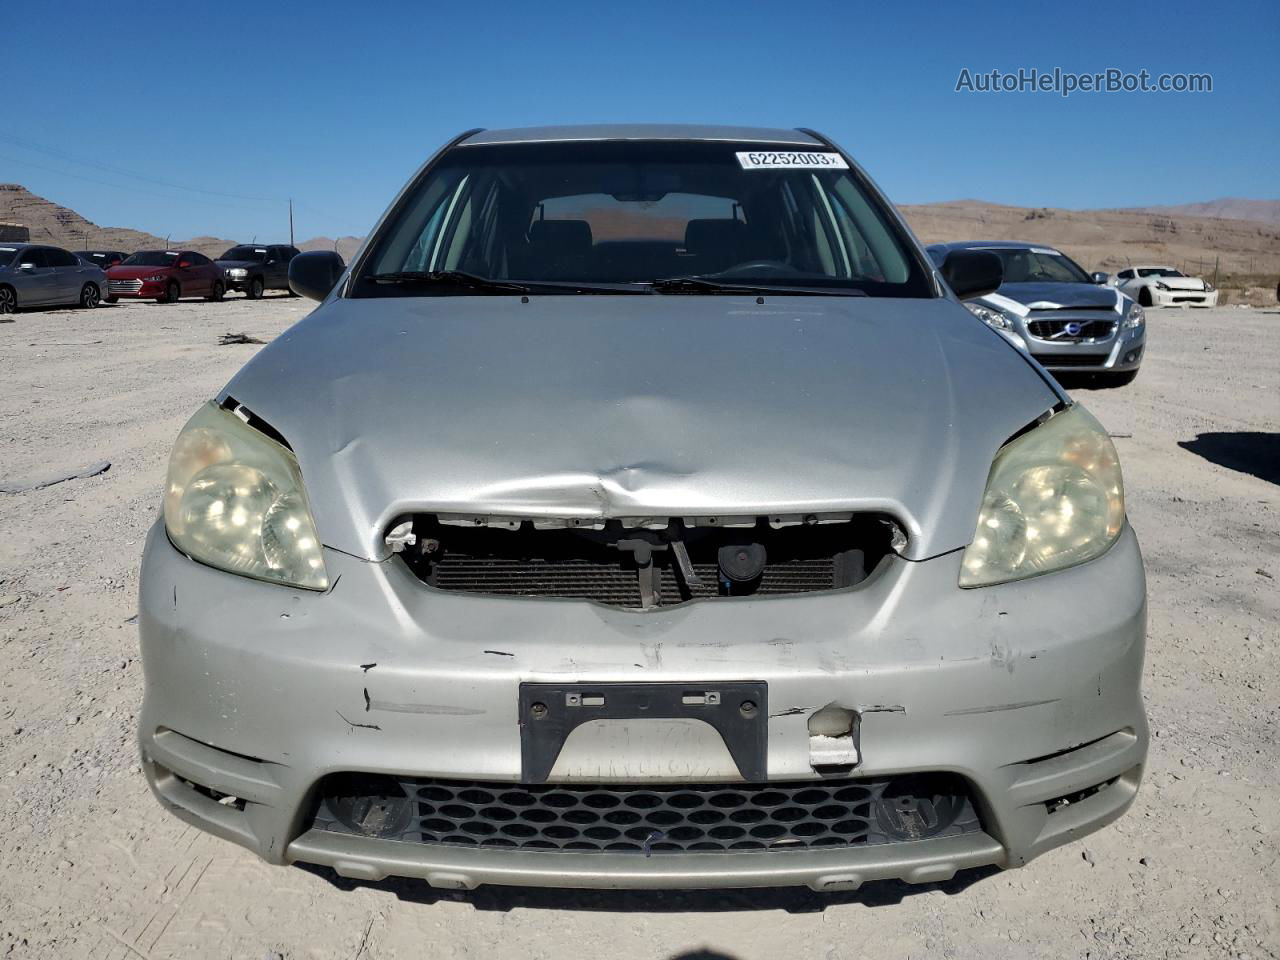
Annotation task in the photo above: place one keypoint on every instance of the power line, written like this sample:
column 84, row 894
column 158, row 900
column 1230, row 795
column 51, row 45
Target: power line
column 120, row 171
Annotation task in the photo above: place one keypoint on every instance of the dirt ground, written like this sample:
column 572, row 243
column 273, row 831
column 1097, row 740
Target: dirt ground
column 90, row 866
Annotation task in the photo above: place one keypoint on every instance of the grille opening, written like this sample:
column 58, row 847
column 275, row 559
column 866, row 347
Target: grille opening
column 1058, row 803
column 648, row 820
column 605, row 564
column 235, row 803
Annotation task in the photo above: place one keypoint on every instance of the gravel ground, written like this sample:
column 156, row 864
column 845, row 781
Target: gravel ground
column 90, row 866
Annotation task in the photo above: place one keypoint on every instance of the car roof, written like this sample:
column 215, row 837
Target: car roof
column 1152, row 266
column 991, row 245
column 642, row 131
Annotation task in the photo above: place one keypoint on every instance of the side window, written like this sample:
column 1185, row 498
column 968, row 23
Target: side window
column 1125, row 274
column 36, row 256
column 62, row 258
column 199, row 259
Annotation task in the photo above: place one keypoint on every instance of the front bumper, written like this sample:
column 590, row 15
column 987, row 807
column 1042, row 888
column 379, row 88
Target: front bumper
column 144, row 291
column 259, row 691
column 1121, row 354
column 1183, row 298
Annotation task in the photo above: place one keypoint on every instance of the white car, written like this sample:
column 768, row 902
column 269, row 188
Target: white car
column 1166, row 287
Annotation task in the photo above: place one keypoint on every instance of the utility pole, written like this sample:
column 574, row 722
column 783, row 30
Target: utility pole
column 291, row 221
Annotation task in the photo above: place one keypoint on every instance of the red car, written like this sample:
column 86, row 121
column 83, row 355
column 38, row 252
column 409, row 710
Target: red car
column 165, row 276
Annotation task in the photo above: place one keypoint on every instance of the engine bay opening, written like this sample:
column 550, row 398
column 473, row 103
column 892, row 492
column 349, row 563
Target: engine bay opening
column 644, row 563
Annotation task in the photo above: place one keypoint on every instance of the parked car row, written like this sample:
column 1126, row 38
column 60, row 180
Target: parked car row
column 34, row 275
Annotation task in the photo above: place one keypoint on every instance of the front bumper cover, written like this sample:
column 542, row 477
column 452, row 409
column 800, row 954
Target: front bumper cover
column 259, row 691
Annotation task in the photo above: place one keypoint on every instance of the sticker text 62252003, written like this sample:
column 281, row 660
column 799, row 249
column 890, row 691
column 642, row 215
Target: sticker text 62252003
column 789, row 159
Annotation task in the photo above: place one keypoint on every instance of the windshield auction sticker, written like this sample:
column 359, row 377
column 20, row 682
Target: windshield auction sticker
column 776, row 159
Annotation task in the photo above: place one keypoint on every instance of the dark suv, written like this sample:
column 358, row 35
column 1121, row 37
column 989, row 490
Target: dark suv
column 253, row 268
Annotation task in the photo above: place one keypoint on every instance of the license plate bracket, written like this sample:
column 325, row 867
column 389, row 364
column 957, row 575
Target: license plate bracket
column 737, row 710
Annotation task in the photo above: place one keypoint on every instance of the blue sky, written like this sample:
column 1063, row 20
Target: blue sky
column 125, row 112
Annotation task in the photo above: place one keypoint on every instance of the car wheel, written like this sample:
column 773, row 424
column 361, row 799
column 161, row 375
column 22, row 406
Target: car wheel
column 8, row 301
column 218, row 291
column 255, row 289
column 171, row 293
column 90, row 296
column 1144, row 296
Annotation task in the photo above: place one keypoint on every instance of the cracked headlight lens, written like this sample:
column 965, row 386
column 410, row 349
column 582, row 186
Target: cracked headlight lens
column 234, row 499
column 1054, row 499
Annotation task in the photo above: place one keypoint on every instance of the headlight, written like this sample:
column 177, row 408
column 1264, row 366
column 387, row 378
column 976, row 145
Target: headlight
column 1161, row 286
column 1208, row 287
column 234, row 500
column 237, row 272
column 990, row 315
column 1054, row 499
column 1135, row 318
column 155, row 278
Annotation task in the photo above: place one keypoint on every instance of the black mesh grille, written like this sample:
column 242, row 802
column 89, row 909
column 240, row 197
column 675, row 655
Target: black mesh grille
column 1057, row 329
column 670, row 818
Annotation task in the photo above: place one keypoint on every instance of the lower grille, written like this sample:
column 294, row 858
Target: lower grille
column 659, row 819
column 1061, row 330
column 1198, row 298
column 1071, row 359
column 124, row 286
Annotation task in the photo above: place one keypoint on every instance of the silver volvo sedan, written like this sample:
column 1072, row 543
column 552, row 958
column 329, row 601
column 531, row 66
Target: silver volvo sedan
column 642, row 508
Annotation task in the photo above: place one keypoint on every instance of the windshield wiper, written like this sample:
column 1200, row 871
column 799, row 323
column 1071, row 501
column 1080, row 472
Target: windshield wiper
column 710, row 285
column 472, row 281
column 448, row 278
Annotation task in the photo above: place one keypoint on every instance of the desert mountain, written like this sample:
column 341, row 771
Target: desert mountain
column 1228, row 208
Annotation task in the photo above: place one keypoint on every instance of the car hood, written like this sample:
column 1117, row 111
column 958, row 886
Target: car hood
column 1178, row 283
column 136, row 273
column 643, row 406
column 228, row 264
column 1060, row 296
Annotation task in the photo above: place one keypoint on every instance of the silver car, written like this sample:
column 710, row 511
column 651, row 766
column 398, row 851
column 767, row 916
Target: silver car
column 1069, row 320
column 642, row 508
column 32, row 275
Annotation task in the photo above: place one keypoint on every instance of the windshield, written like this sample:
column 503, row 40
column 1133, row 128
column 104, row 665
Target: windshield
column 1038, row 265
column 151, row 258
column 1158, row 272
column 630, row 213
column 257, row 254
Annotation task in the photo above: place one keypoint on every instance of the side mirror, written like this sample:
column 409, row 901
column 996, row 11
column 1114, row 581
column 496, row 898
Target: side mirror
column 314, row 274
column 26, row 266
column 1100, row 277
column 972, row 273
column 183, row 264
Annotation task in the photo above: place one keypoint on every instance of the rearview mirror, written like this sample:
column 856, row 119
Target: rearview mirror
column 314, row 274
column 972, row 273
column 1100, row 277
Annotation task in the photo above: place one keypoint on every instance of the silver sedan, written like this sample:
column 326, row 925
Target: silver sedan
column 32, row 275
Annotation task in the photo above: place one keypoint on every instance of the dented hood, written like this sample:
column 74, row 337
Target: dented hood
column 642, row 406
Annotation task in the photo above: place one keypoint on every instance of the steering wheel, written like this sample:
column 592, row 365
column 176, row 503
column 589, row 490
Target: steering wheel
column 757, row 266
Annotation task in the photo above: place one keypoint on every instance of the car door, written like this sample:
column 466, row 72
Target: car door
column 35, row 280
column 66, row 268
column 206, row 270
column 277, row 271
column 188, row 273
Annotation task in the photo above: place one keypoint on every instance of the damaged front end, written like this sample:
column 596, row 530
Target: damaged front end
column 645, row 562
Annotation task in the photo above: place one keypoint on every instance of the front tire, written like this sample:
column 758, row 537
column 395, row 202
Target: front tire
column 90, row 296
column 255, row 289
column 8, row 302
column 218, row 291
column 1144, row 297
column 171, row 294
